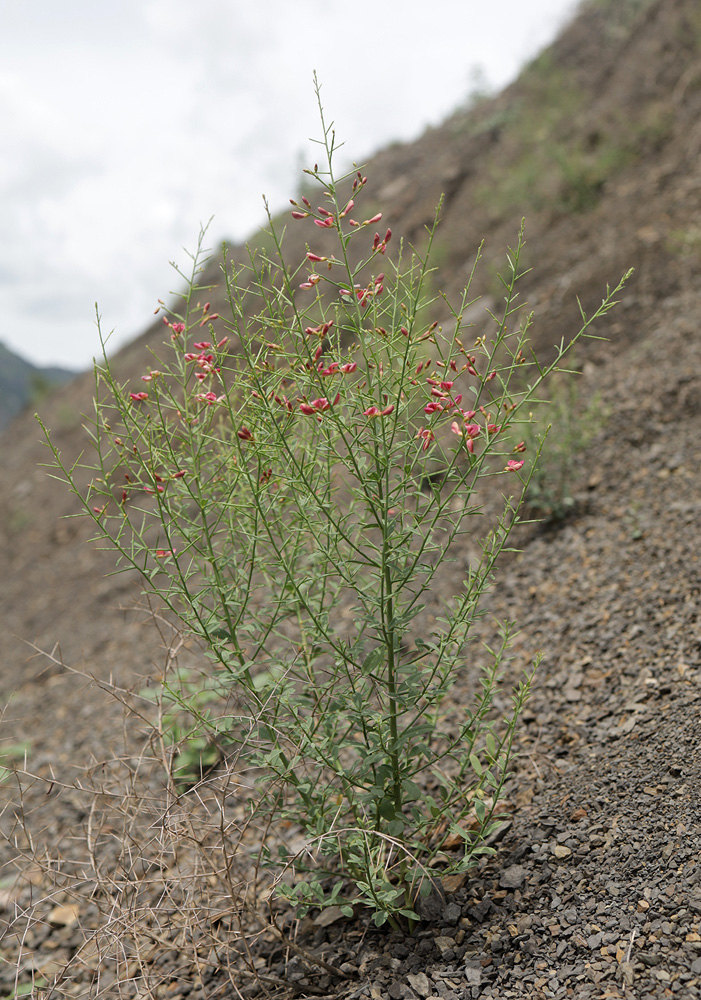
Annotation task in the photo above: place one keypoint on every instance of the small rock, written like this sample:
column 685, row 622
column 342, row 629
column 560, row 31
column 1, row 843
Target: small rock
column 432, row 906
column 561, row 852
column 473, row 976
column 451, row 883
column 400, row 991
column 329, row 915
column 445, row 945
column 513, row 877
column 480, row 911
column 628, row 973
column 64, row 916
column 420, row 984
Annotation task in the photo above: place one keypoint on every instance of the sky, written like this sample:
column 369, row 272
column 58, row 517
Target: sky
column 127, row 124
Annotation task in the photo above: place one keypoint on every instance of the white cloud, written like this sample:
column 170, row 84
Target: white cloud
column 126, row 125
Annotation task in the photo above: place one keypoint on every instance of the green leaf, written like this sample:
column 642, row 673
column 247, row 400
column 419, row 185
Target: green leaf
column 373, row 660
column 387, row 808
column 411, row 790
column 400, row 621
column 476, row 765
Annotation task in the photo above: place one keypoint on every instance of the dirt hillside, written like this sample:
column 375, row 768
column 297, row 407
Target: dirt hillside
column 598, row 145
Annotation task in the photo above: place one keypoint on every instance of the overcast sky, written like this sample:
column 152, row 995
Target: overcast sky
column 127, row 123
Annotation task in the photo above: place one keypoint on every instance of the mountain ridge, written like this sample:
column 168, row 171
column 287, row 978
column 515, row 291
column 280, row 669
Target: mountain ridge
column 22, row 383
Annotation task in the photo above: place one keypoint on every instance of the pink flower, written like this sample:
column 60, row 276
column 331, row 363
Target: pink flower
column 373, row 411
column 468, row 431
column 138, row 397
column 245, row 434
column 331, row 370
column 427, row 434
column 162, row 553
column 349, row 367
column 202, row 345
column 312, row 280
column 178, row 328
column 321, row 404
column 208, row 397
column 433, row 407
column 300, row 215
column 318, row 405
column 513, row 466
column 379, row 246
column 319, row 331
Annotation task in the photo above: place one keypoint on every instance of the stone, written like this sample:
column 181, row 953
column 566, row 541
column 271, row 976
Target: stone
column 512, row 877
column 420, row 984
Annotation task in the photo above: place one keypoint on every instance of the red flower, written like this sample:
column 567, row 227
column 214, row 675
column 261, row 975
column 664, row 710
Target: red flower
column 427, row 434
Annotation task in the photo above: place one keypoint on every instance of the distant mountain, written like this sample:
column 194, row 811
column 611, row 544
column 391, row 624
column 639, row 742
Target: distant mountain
column 22, row 384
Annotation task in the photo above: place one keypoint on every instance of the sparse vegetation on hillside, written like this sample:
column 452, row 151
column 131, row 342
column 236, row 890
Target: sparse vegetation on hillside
column 114, row 880
column 274, row 489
